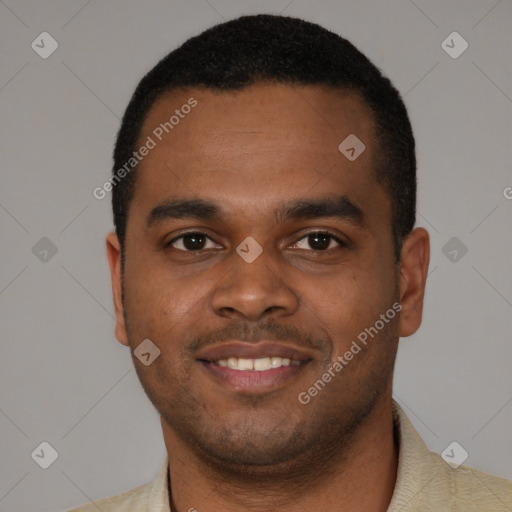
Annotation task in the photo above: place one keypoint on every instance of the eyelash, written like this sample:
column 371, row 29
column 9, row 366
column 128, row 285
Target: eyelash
column 318, row 232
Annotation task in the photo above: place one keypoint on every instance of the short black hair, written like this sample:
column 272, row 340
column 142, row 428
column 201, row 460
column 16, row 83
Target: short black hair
column 282, row 49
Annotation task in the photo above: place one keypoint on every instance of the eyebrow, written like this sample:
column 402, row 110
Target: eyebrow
column 302, row 209
column 330, row 207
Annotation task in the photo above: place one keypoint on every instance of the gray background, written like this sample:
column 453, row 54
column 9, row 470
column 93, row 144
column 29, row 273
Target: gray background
column 65, row 379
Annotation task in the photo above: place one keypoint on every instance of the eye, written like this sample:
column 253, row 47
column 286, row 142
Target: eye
column 318, row 241
column 192, row 241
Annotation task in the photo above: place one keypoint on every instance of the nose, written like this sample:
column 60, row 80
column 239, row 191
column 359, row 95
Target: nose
column 252, row 291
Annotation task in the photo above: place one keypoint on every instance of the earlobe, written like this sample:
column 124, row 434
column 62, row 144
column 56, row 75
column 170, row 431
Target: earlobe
column 414, row 261
column 114, row 259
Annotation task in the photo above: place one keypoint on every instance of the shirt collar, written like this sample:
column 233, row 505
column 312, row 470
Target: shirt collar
column 159, row 495
column 420, row 472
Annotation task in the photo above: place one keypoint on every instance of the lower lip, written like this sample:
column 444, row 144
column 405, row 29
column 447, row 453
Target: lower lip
column 252, row 381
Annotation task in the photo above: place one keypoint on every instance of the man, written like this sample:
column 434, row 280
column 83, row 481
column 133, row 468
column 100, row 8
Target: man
column 264, row 266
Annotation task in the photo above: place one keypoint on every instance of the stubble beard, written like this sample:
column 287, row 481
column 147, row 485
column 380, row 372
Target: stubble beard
column 299, row 448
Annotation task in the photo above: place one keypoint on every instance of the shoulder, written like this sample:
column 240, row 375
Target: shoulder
column 425, row 481
column 128, row 501
column 150, row 496
column 477, row 490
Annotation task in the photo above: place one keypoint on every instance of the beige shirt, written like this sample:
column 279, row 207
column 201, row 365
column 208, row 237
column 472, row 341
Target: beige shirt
column 425, row 482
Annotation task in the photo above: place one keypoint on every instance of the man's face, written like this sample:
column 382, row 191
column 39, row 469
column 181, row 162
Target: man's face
column 258, row 157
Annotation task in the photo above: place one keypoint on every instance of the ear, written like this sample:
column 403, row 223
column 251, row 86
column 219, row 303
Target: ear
column 414, row 260
column 114, row 259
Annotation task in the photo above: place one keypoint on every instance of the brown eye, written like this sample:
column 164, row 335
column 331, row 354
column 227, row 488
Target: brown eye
column 319, row 241
column 193, row 241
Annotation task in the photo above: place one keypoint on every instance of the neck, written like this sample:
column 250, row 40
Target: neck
column 369, row 463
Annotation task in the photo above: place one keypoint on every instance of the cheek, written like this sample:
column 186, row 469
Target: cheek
column 161, row 308
column 347, row 304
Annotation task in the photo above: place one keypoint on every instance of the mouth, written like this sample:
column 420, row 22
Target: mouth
column 261, row 364
column 253, row 368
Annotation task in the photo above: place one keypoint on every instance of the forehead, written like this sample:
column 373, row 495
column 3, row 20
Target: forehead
column 265, row 142
column 297, row 114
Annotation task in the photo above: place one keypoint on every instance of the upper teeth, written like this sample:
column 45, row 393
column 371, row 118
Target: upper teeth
column 259, row 365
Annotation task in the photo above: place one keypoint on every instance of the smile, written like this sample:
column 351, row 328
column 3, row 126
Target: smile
column 253, row 368
column 260, row 365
